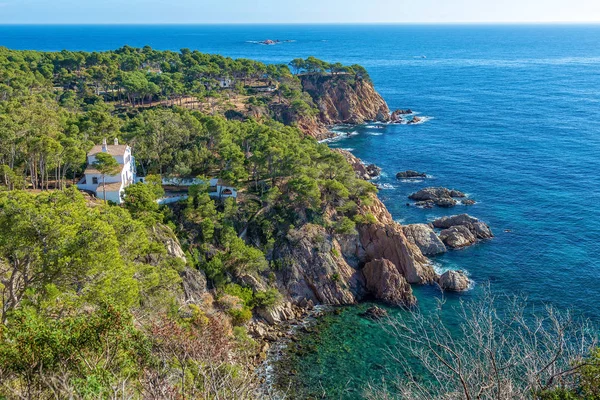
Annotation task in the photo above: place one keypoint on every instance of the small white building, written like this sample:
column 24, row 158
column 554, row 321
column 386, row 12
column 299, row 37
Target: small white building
column 114, row 184
column 217, row 188
column 225, row 83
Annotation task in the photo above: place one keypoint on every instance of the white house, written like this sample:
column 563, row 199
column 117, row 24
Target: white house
column 225, row 83
column 114, row 184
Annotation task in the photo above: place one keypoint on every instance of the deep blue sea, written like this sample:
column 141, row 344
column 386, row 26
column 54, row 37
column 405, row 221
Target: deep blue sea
column 514, row 121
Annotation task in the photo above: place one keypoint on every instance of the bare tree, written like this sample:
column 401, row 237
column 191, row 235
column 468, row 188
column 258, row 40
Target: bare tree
column 498, row 350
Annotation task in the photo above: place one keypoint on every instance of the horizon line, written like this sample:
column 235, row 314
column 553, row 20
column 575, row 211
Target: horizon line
column 300, row 23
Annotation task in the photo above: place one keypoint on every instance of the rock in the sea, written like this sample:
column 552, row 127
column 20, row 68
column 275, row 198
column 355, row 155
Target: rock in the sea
column 440, row 196
column 475, row 226
column 457, row 236
column 415, row 120
column 374, row 313
column 468, row 202
column 397, row 115
column 454, row 281
column 410, row 174
column 385, row 283
column 424, row 238
column 373, row 170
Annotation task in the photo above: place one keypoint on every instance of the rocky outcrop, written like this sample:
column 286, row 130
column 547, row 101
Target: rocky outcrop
column 415, row 120
column 480, row 229
column 384, row 282
column 454, row 281
column 314, row 269
column 440, row 196
column 278, row 313
column 424, row 238
column 345, row 99
column 457, row 236
column 410, row 174
column 462, row 230
column 396, row 116
column 194, row 285
column 362, row 171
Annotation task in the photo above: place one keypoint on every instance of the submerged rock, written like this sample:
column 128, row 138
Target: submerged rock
column 454, row 281
column 374, row 313
column 385, row 282
column 410, row 174
column 424, row 238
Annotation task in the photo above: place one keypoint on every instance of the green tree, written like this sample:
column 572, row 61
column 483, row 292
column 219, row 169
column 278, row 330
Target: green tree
column 106, row 165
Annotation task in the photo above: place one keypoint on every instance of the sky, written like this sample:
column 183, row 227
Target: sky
column 299, row 11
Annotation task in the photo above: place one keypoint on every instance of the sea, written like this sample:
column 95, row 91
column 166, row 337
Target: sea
column 511, row 116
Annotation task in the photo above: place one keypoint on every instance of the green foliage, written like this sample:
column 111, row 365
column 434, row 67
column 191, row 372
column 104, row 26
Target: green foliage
column 267, row 298
column 345, row 226
column 363, row 219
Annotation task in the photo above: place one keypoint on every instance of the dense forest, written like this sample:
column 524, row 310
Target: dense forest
column 148, row 301
column 93, row 298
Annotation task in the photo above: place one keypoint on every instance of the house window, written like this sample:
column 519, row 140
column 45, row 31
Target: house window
column 95, row 180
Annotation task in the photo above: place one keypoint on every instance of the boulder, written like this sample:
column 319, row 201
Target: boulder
column 434, row 193
column 397, row 115
column 373, row 170
column 457, row 236
column 424, row 238
column 410, row 174
column 445, row 202
column 415, row 120
column 479, row 229
column 384, row 282
column 454, row 281
column 468, row 202
column 276, row 314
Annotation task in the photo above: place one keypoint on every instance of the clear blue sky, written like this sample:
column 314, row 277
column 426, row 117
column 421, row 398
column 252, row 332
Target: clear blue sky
column 299, row 11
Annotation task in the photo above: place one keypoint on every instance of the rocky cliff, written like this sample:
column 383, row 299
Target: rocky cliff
column 329, row 269
column 342, row 99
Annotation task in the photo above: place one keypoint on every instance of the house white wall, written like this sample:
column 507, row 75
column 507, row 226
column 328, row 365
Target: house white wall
column 126, row 176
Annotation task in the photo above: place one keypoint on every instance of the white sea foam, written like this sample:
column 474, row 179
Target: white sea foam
column 374, row 133
column 411, row 180
column 386, row 186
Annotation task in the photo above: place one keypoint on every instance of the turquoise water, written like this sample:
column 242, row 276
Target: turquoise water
column 514, row 121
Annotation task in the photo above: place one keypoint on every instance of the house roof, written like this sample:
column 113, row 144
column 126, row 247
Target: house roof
column 110, row 187
column 112, row 149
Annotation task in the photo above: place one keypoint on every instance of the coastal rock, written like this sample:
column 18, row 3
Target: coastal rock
column 440, row 196
column 396, row 116
column 468, row 202
column 345, row 98
column 457, row 236
column 454, row 281
column 375, row 313
column 415, row 120
column 385, row 283
column 362, row 171
column 315, row 270
column 424, row 238
column 373, row 170
column 277, row 314
column 479, row 229
column 388, row 241
column 410, row 174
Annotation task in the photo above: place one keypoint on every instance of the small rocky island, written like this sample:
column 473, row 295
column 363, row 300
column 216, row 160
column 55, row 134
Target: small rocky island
column 439, row 196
